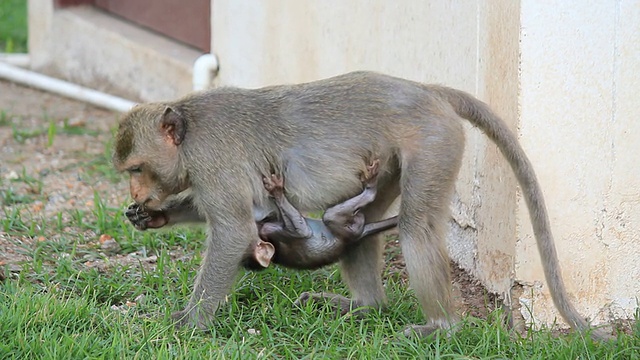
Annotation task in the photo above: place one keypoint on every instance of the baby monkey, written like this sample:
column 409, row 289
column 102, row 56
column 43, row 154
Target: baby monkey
column 301, row 243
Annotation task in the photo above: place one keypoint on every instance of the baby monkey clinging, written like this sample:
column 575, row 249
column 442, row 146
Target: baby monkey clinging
column 303, row 243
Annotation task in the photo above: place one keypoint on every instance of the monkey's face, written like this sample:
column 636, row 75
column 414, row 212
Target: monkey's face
column 145, row 187
column 147, row 147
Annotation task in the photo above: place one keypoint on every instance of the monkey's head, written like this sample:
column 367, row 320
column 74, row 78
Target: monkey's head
column 148, row 147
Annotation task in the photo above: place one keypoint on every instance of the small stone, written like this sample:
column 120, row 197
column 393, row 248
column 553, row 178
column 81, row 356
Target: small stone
column 76, row 122
column 109, row 245
column 12, row 175
column 15, row 268
column 56, row 198
column 105, row 237
column 38, row 206
column 89, row 257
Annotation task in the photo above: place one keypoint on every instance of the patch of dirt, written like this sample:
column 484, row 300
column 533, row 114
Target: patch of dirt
column 44, row 173
column 469, row 295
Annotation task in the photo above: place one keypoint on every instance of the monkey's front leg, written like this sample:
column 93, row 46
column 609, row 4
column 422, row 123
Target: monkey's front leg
column 231, row 229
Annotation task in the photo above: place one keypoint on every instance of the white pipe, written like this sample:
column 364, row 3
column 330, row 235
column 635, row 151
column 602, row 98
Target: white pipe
column 204, row 69
column 22, row 60
column 36, row 80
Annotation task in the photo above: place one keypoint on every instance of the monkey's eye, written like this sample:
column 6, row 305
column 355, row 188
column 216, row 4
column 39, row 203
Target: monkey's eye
column 135, row 169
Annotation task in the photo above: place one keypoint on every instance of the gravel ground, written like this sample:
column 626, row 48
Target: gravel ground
column 43, row 179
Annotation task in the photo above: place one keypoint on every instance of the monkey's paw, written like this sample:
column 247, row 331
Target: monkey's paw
column 448, row 328
column 274, row 184
column 144, row 219
column 371, row 172
column 181, row 318
column 189, row 319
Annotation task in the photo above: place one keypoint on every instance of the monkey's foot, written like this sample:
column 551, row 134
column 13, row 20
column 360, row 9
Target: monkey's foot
column 145, row 219
column 186, row 319
column 370, row 175
column 599, row 334
column 181, row 318
column 342, row 305
column 443, row 326
column 274, row 185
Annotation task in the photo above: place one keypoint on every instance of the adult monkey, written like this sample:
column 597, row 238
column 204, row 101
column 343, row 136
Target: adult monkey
column 220, row 143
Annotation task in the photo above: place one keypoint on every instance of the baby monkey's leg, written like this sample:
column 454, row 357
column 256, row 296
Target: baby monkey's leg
column 343, row 219
column 293, row 220
column 378, row 226
column 353, row 205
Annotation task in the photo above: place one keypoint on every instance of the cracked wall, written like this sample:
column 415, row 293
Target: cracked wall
column 579, row 84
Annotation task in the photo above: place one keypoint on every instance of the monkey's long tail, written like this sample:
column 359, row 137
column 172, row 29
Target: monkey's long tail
column 480, row 115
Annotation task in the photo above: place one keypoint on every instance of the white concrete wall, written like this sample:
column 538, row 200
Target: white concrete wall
column 579, row 123
column 562, row 74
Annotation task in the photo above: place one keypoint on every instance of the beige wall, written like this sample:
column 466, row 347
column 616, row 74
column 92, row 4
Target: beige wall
column 579, row 123
column 563, row 75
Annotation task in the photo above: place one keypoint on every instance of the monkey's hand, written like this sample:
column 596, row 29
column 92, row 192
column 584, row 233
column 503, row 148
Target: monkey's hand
column 370, row 174
column 274, row 185
column 145, row 219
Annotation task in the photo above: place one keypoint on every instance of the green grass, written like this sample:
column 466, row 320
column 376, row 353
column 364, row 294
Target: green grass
column 13, row 26
column 9, row 196
column 60, row 307
column 22, row 133
column 4, row 118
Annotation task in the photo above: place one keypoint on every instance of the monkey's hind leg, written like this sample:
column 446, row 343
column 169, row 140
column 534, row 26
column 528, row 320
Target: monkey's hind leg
column 427, row 183
column 370, row 181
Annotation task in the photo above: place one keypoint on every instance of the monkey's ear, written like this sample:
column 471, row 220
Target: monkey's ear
column 173, row 126
column 264, row 251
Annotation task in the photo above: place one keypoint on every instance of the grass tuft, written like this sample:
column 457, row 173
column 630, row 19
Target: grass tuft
column 13, row 26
